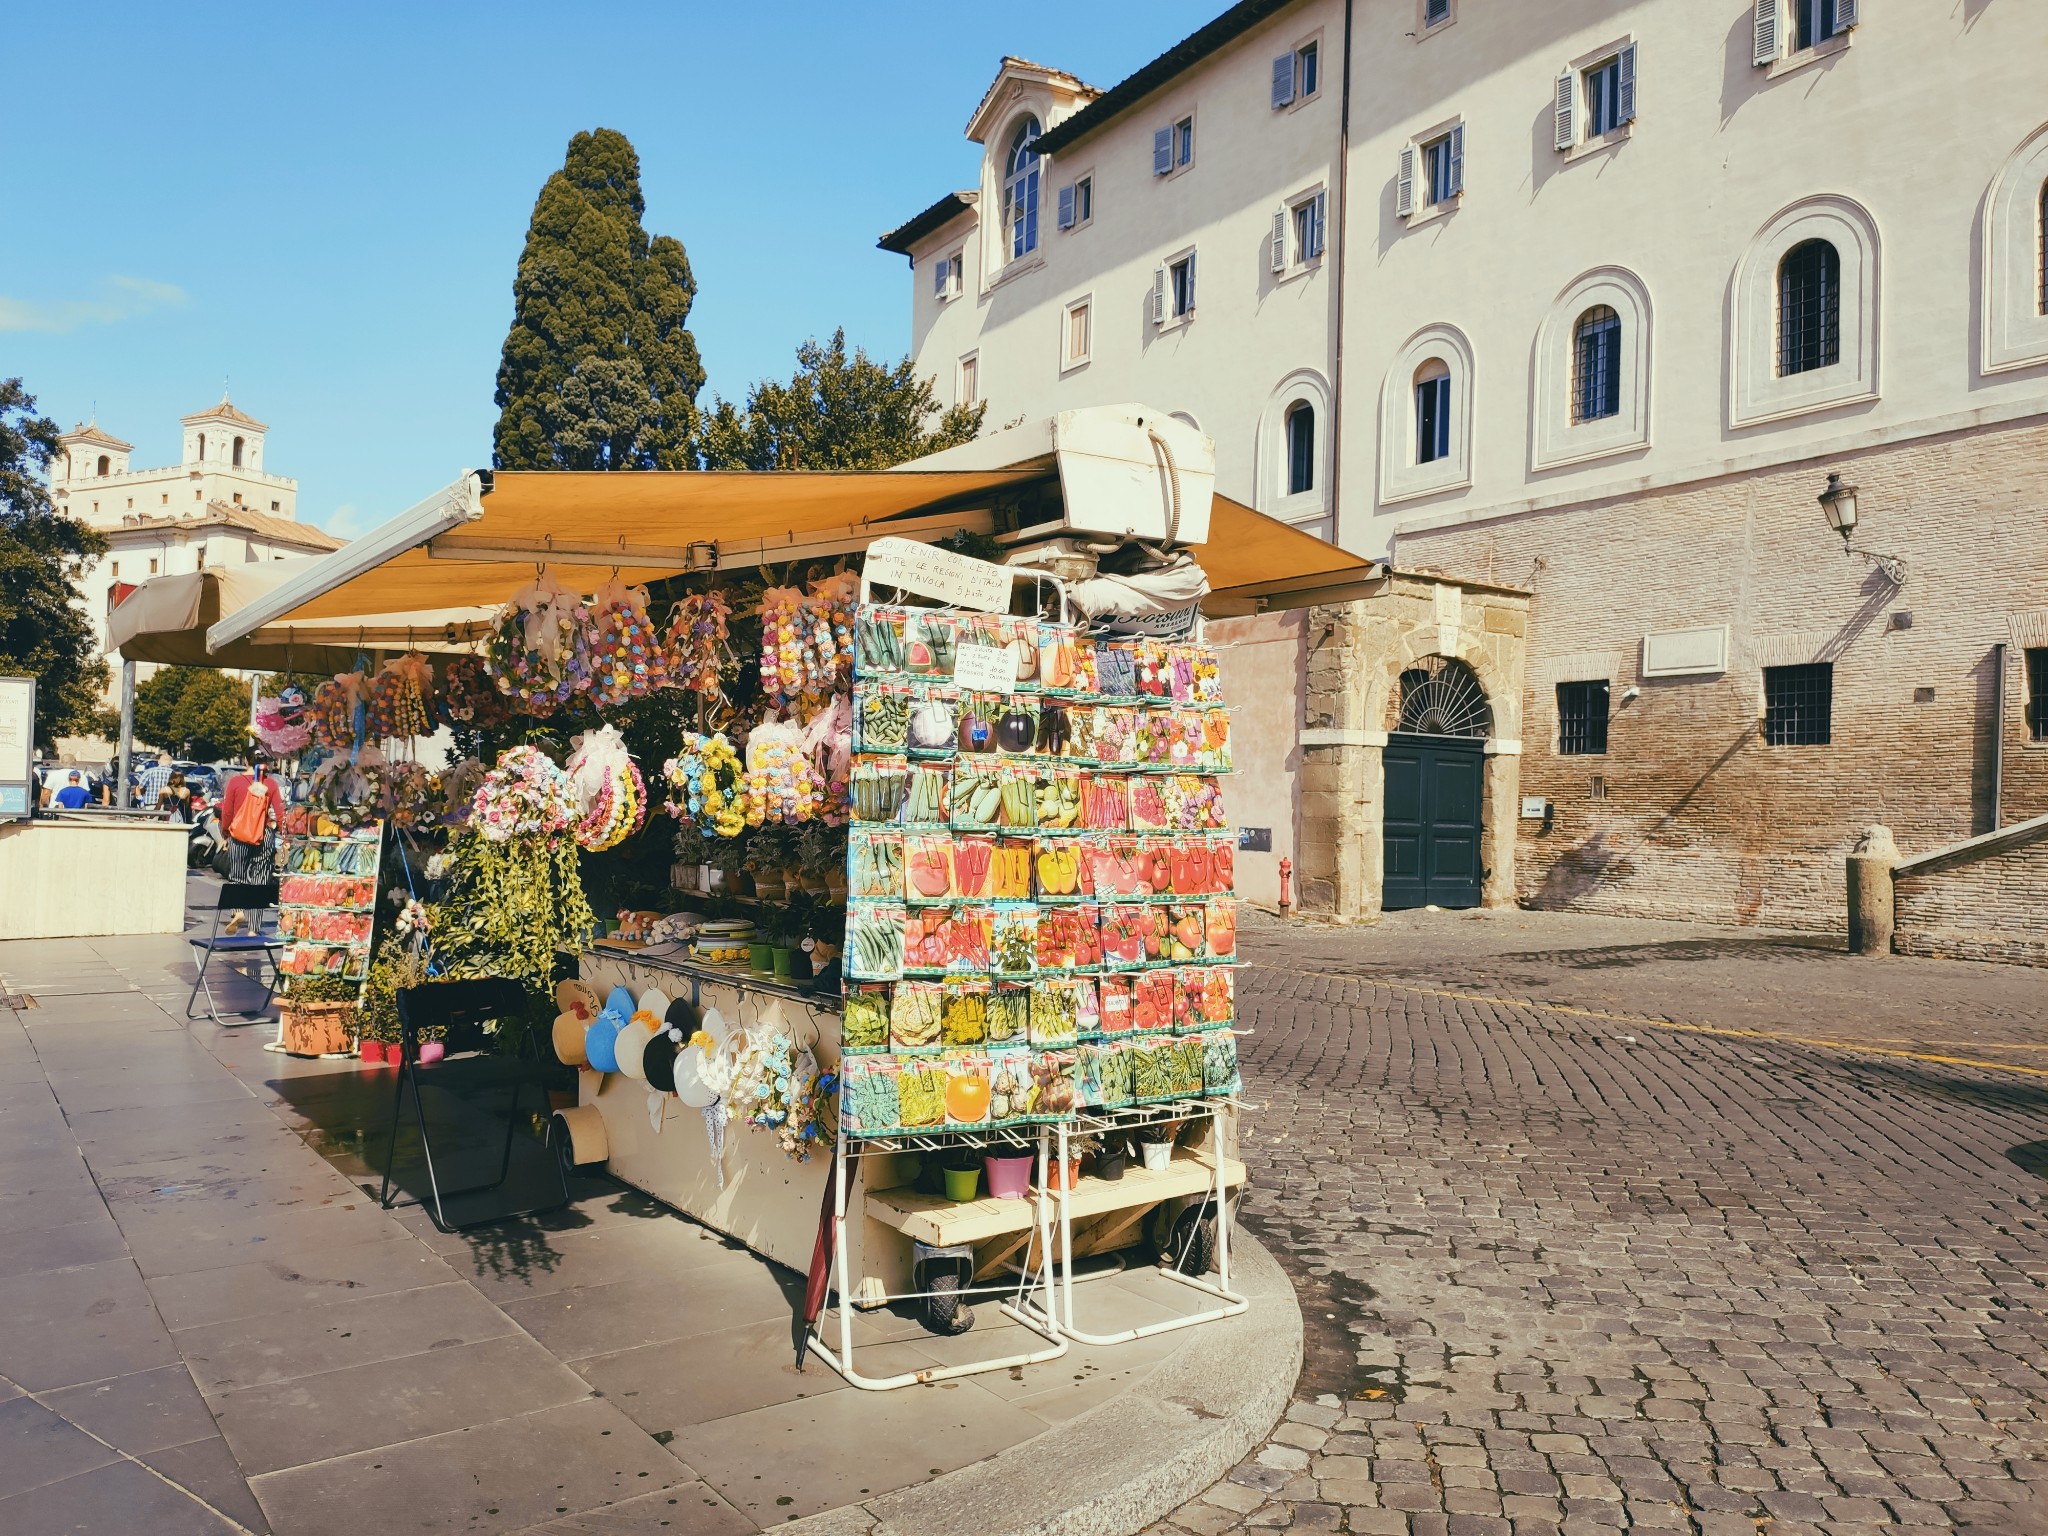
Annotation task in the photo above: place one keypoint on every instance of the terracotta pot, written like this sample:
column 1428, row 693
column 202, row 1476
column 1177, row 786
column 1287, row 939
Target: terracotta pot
column 317, row 1029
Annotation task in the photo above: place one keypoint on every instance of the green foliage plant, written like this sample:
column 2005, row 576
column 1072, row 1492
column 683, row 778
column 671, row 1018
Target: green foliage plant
column 197, row 710
column 510, row 906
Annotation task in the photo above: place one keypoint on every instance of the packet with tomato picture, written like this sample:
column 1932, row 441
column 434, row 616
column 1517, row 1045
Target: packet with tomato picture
column 1223, row 863
column 1186, row 932
column 967, row 1088
column 1113, row 1003
column 1113, row 866
column 1203, row 999
column 1154, row 921
column 1220, row 927
column 1154, row 860
column 1068, row 940
column 1193, row 869
column 1122, row 933
column 1152, row 1001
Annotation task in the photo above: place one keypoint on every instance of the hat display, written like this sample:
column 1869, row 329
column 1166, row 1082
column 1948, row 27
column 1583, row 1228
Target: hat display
column 658, row 1060
column 579, row 998
column 599, row 1041
column 629, row 1046
column 568, row 1040
column 583, row 1131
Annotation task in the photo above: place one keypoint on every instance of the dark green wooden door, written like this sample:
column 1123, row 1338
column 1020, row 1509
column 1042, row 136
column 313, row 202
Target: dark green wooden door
column 1435, row 788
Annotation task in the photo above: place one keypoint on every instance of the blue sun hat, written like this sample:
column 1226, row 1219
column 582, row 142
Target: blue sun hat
column 601, row 1039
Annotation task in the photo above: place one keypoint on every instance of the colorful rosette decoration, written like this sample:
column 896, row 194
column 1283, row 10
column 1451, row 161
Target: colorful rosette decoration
column 798, row 654
column 626, row 660
column 406, row 795
column 696, row 643
column 468, row 696
column 538, row 652
column 395, row 708
column 776, row 1087
column 334, row 711
column 782, row 783
column 704, row 785
column 526, row 795
column 834, row 600
column 611, row 797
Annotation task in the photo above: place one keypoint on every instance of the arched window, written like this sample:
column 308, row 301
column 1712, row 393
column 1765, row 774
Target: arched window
column 1432, row 412
column 1596, row 365
column 1020, row 189
column 238, row 453
column 1441, row 696
column 1809, row 308
column 1301, row 448
column 202, row 445
column 105, row 464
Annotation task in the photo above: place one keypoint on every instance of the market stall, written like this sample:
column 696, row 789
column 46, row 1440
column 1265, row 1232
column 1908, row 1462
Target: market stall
column 921, row 875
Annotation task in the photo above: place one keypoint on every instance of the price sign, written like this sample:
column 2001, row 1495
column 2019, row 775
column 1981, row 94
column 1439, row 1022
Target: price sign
column 959, row 580
column 985, row 668
column 17, row 745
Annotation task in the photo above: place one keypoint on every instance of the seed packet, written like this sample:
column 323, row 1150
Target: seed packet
column 1184, row 742
column 1013, row 1091
column 1116, row 669
column 1180, row 662
column 1186, row 933
column 921, row 1092
column 929, row 641
column 1055, row 1011
column 933, row 728
column 970, row 928
column 874, row 940
column 927, row 789
column 884, row 717
column 878, row 643
column 1219, row 1064
column 973, row 860
column 878, row 788
column 1191, row 866
column 1009, row 1013
column 1113, row 1074
column 1223, row 863
column 1017, row 726
column 925, row 940
column 1212, row 747
column 874, row 864
column 1068, row 940
column 928, row 866
column 1113, row 1004
column 1052, row 1075
column 1013, row 944
column 982, row 631
column 1151, row 1072
column 975, row 716
column 1084, row 745
column 1055, row 729
column 1211, row 993
column 1154, row 858
column 1220, row 927
column 1113, row 866
column 1152, row 1001
column 1149, row 811
column 864, row 1018
column 1116, row 735
column 1121, row 930
column 1066, row 659
column 967, row 1088
column 1057, row 796
column 1010, row 869
column 1063, row 869
column 1195, row 803
column 914, row 1017
column 868, row 1102
column 1184, row 1066
column 1155, row 675
column 1088, row 1057
column 1105, row 802
column 1208, row 685
column 977, row 799
column 963, row 1017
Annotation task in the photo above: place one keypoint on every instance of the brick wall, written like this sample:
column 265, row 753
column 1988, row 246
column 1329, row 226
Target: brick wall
column 1990, row 909
column 1692, row 815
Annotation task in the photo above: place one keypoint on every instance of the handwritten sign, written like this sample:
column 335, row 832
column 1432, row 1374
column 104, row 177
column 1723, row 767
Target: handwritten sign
column 959, row 580
column 986, row 668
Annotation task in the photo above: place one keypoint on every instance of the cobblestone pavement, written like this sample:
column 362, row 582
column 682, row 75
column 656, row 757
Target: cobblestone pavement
column 1566, row 1267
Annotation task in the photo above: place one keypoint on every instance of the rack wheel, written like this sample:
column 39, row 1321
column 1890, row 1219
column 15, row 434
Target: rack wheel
column 1191, row 1245
column 945, row 1311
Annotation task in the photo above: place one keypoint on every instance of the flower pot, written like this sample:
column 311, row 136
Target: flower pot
column 771, row 887
column 835, row 884
column 1157, row 1154
column 963, row 1184
column 761, row 957
column 782, row 958
column 316, row 1029
column 372, row 1052
column 1009, row 1178
column 801, row 967
column 432, row 1051
column 1109, row 1165
column 1061, row 1175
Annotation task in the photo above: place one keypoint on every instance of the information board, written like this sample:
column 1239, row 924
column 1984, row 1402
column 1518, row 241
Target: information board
column 17, row 745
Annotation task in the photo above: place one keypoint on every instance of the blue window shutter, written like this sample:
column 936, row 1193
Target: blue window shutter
column 1316, row 229
column 1283, row 81
column 1066, row 207
column 1625, row 96
column 1846, row 14
column 1456, row 150
column 1191, row 282
column 1404, row 183
column 1159, row 295
column 1277, row 250
column 939, row 277
column 1162, row 151
column 1766, row 33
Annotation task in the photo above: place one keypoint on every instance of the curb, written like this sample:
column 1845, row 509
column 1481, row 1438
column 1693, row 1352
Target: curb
column 1120, row 1466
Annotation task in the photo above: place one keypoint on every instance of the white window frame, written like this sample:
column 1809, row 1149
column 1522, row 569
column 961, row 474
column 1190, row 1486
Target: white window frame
column 1557, row 440
column 1297, row 98
column 1071, row 192
column 1425, row 28
column 1401, row 477
column 1163, row 316
column 1757, row 393
column 1271, row 450
column 1069, row 360
column 1414, row 173
column 2015, row 331
column 969, row 367
column 1777, row 57
column 1284, row 255
column 1571, row 108
column 1175, row 166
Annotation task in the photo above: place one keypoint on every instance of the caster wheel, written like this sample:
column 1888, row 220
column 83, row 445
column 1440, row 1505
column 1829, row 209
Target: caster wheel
column 1190, row 1247
column 946, row 1311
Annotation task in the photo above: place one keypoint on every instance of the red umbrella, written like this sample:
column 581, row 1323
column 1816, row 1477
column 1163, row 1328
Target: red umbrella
column 819, row 1282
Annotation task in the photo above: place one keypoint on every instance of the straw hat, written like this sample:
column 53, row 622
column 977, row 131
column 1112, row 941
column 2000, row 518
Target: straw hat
column 583, row 1130
column 629, row 1047
column 568, row 1037
column 579, row 998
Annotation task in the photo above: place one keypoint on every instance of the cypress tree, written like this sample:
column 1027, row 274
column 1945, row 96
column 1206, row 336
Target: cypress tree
column 599, row 370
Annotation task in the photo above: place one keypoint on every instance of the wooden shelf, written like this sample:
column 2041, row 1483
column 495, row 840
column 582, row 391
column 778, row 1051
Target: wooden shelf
column 941, row 1222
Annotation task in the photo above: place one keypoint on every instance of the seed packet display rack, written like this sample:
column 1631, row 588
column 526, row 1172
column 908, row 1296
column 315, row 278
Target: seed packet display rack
column 983, row 920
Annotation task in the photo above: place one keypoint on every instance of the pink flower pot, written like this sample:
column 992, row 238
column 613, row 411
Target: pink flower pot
column 431, row 1051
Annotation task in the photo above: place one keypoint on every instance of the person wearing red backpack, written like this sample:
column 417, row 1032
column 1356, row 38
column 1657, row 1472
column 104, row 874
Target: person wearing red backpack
column 248, row 813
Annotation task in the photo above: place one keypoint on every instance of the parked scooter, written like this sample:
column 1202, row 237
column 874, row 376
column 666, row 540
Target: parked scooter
column 207, row 847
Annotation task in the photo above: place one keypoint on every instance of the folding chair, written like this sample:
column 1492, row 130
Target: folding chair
column 461, row 1008
column 255, row 901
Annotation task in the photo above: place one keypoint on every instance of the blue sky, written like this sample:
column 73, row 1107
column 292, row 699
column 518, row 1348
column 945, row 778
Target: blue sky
column 325, row 204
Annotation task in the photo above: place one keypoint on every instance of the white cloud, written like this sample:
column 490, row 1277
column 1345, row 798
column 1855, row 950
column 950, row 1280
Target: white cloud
column 120, row 298
column 343, row 522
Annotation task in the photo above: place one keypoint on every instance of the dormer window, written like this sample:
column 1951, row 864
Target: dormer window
column 1020, row 189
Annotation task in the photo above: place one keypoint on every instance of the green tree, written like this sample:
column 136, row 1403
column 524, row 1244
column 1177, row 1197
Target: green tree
column 599, row 370
column 200, row 712
column 44, row 631
column 837, row 412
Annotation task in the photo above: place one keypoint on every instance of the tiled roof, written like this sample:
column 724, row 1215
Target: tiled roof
column 264, row 525
column 91, row 432
column 1010, row 62
column 225, row 411
column 943, row 212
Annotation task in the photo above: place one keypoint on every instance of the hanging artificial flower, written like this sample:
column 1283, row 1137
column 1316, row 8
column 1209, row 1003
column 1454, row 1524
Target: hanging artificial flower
column 704, row 785
column 782, row 784
column 626, row 660
column 395, row 707
column 696, row 643
column 468, row 696
column 334, row 711
column 526, row 795
column 281, row 729
column 611, row 797
column 538, row 650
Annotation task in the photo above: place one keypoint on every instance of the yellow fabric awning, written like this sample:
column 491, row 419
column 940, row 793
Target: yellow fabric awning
column 1258, row 562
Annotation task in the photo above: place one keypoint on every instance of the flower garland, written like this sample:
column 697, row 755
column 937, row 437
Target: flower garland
column 334, row 711
column 704, row 785
column 696, row 643
column 345, row 792
column 798, row 653
column 525, row 796
column 835, row 599
column 626, row 660
column 468, row 696
column 396, row 706
column 457, row 788
column 282, row 726
column 778, row 1088
column 406, row 794
column 538, row 651
column 611, row 796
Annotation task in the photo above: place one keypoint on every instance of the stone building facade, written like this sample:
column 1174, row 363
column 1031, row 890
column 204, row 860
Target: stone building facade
column 1979, row 901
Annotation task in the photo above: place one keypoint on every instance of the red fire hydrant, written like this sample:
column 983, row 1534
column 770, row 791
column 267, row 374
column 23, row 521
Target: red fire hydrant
column 1286, row 870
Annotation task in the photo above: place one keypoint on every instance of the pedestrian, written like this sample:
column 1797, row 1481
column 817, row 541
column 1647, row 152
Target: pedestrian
column 248, row 812
column 154, row 778
column 176, row 798
column 73, row 795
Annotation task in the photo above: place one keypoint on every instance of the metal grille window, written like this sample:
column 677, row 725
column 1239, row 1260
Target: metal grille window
column 1799, row 705
column 1582, row 718
column 1809, row 308
column 1596, row 365
column 2037, row 693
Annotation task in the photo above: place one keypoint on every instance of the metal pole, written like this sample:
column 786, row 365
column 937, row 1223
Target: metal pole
column 123, row 779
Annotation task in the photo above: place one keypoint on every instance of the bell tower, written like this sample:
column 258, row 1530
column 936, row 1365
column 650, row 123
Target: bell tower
column 222, row 438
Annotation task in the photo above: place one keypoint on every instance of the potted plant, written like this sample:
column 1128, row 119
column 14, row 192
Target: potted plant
column 317, row 1016
column 1111, row 1156
column 770, row 852
column 960, row 1167
column 821, row 859
column 1155, row 1144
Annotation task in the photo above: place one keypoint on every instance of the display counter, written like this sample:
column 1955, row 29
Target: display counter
column 94, row 873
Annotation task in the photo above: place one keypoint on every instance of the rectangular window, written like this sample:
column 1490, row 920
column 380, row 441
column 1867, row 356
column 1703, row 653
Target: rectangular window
column 2037, row 693
column 1074, row 341
column 117, row 575
column 1433, row 420
column 1435, row 12
column 1443, row 167
column 1603, row 98
column 1084, row 200
column 1582, row 718
column 202, row 557
column 1184, row 142
column 1181, row 275
column 152, row 566
column 1308, row 228
column 1305, row 69
column 969, row 390
column 273, row 506
column 1815, row 21
column 1799, row 705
